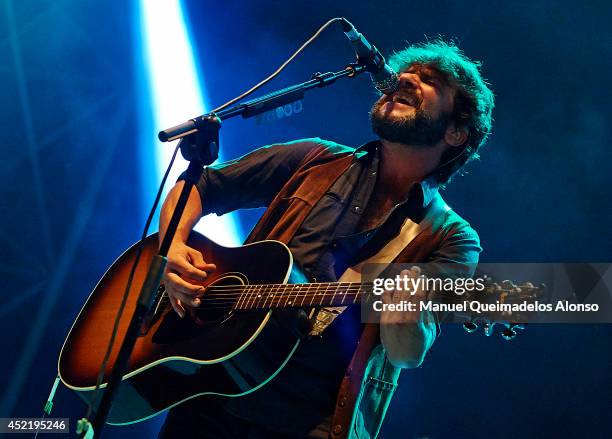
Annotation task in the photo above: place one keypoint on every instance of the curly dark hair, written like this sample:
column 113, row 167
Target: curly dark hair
column 474, row 100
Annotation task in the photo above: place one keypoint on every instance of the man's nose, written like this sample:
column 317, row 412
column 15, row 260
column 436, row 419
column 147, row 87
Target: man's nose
column 409, row 80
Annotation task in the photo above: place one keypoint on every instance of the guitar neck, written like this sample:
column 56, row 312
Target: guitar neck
column 273, row 296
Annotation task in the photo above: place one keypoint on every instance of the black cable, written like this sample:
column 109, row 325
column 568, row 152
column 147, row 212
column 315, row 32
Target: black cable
column 280, row 69
column 96, row 396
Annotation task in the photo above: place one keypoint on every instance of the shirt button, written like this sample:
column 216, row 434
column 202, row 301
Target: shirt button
column 356, row 208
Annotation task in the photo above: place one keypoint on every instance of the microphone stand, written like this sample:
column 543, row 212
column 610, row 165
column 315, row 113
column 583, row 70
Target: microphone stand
column 200, row 146
column 264, row 103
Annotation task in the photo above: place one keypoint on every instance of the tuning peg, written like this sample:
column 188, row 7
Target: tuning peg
column 470, row 327
column 508, row 334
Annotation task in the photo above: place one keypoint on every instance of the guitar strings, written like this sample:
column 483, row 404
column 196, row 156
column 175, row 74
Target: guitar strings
column 233, row 290
column 221, row 300
column 284, row 290
column 292, row 286
column 228, row 298
column 244, row 292
column 276, row 293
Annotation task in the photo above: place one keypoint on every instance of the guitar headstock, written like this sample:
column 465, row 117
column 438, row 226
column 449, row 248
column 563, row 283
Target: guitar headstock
column 506, row 292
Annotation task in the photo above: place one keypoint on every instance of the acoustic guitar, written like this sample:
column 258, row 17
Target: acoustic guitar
column 218, row 349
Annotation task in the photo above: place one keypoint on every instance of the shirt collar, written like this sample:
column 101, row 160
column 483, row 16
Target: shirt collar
column 366, row 150
column 427, row 188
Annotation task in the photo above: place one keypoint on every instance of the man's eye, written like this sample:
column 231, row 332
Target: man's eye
column 429, row 80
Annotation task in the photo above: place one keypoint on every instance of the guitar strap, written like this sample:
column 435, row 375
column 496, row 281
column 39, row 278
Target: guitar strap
column 347, row 399
column 389, row 252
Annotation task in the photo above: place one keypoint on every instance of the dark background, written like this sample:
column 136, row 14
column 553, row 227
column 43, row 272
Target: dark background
column 71, row 193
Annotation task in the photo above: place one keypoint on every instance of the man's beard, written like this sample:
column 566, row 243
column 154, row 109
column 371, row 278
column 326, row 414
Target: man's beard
column 419, row 129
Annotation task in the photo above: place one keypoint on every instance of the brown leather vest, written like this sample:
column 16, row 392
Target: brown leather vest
column 370, row 380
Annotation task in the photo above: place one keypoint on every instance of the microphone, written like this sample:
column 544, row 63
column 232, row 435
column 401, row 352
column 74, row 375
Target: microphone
column 384, row 78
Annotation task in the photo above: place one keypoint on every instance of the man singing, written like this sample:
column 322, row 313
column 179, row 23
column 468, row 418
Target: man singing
column 335, row 207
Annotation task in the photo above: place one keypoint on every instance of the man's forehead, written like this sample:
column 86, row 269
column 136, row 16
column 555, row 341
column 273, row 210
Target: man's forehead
column 432, row 70
column 429, row 69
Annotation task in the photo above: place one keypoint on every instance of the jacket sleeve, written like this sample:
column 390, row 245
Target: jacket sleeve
column 252, row 180
column 456, row 257
column 459, row 251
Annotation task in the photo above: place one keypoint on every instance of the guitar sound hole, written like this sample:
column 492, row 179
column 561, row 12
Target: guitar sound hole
column 219, row 299
column 216, row 308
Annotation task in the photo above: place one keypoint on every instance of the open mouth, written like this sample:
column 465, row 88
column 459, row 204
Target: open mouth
column 411, row 101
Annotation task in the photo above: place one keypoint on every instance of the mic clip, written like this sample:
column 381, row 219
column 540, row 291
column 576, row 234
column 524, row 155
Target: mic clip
column 374, row 62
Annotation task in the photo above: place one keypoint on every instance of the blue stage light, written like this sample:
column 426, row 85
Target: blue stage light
column 174, row 95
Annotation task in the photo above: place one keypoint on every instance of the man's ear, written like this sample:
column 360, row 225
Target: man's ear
column 455, row 136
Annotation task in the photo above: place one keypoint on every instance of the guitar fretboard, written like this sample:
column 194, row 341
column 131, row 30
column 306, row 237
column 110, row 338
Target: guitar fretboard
column 271, row 296
column 301, row 295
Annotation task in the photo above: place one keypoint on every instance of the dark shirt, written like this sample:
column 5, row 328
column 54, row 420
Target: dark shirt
column 328, row 242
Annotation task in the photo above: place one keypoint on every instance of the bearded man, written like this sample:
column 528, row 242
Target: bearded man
column 335, row 207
